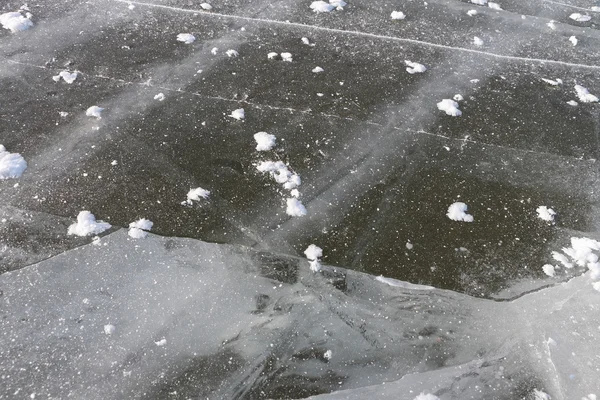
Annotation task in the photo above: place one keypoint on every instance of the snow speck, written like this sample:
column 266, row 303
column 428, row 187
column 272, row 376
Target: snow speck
column 458, row 97
column 114, row 162
column 414, row 68
column 313, row 252
column 264, row 141
column 328, row 354
column 160, row 97
column 479, row 2
column 131, row 6
column 580, row 17
column 477, row 41
column 186, row 38
column 545, row 213
column 573, row 40
column 584, row 95
column 94, row 111
column 494, row 6
column 286, row 57
column 321, row 6
column 67, row 76
column 450, row 107
column 15, row 22
column 109, row 329
column 572, row 103
column 214, row 51
column 553, row 82
column 427, row 396
column 12, row 165
column 272, row 55
column 139, row 229
column 295, row 208
column 161, row 342
column 472, row 13
column 232, row 53
column 317, row 70
column 238, row 114
column 458, row 212
column 398, row 15
column 87, row 225
column 549, row 270
column 206, row 6
column 409, row 245
column 197, row 194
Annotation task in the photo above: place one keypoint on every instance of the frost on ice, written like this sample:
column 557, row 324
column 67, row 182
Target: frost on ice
column 186, row 38
column 397, row 15
column 317, row 70
column 109, row 329
column 238, row 114
column 322, row 6
column 67, row 76
column 414, row 68
column 584, row 95
column 15, row 22
column 139, row 229
column 450, row 107
column 477, row 41
column 94, row 111
column 580, row 17
column 313, row 253
column 264, row 141
column 295, row 208
column 549, row 270
column 458, row 212
column 545, row 213
column 87, row 225
column 196, row 195
column 232, row 53
column 12, row 165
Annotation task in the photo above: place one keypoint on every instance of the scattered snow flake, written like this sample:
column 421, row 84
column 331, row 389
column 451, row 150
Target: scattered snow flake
column 584, row 95
column 87, row 225
column 197, row 194
column 139, row 229
column 573, row 40
column 12, row 165
column 206, row 6
column 160, row 97
column 545, row 213
column 286, row 57
column 472, row 13
column 313, row 252
column 539, row 395
column 414, row 68
column 67, row 76
column 450, row 107
column 477, row 41
column 458, row 212
column 272, row 55
column 232, row 53
column 186, row 38
column 479, row 2
column 427, row 396
column 238, row 114
column 552, row 25
column 572, row 103
column 264, row 141
column 161, row 342
column 94, row 111
column 317, row 70
column 398, row 15
column 549, row 270
column 580, row 17
column 15, row 22
column 494, row 6
column 553, row 82
column 109, row 329
column 458, row 97
column 295, row 208
column 214, row 51
column 328, row 354
column 321, row 6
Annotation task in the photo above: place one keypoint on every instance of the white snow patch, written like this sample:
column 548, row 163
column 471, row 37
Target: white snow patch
column 596, row 286
column 87, row 225
column 307, row 42
column 427, row 396
column 545, row 213
column 286, row 57
column 458, row 97
column 293, row 181
column 458, row 212
column 238, row 114
column 197, row 194
column 553, row 82
column 272, row 55
column 450, row 107
column 206, row 6
column 398, row 15
column 67, row 76
column 339, row 4
column 317, row 70
column 584, row 95
column 477, row 41
column 160, row 97
column 479, row 2
column 552, row 25
column 12, row 165
column 328, row 354
column 139, row 229
column 295, row 208
column 321, row 6
column 549, row 270
column 409, row 245
column 402, row 284
column 109, row 329
column 573, row 40
column 494, row 6
column 295, row 193
column 313, row 252
column 232, row 53
column 580, row 17
column 264, row 141
column 186, row 38
column 595, row 8
column 15, row 22
column 472, row 13
column 414, row 68
column 214, row 51
column 572, row 103
column 94, row 111
column 161, row 342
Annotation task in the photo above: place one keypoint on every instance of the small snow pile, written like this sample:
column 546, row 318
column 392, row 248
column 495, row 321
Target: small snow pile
column 286, row 57
column 549, row 270
column 232, row 53
column 553, row 82
column 206, row 6
column 186, row 38
column 584, row 95
column 94, row 111
column 458, row 212
column 414, row 68
column 397, row 15
column 272, row 55
column 67, row 76
column 317, row 70
column 87, row 225
column 264, row 141
column 328, row 354
column 295, row 208
column 109, row 329
column 196, row 195
column 573, row 40
column 596, row 286
column 280, row 173
column 450, row 107
column 472, row 13
column 160, row 97
column 427, row 396
column 322, row 6
column 314, row 253
column 12, row 165
column 580, row 17
column 15, row 22
column 494, row 6
column 238, row 114
column 545, row 213
column 479, row 2
column 139, row 229
column 477, row 41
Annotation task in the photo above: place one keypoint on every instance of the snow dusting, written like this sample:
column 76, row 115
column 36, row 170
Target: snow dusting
column 458, row 212
column 12, row 165
column 87, row 225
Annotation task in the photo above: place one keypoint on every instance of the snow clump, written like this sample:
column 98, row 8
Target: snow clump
column 494, row 6
column 328, row 354
column 87, row 225
column 12, row 165
column 238, row 114
column 286, row 57
column 272, row 55
column 295, row 208
column 109, row 329
column 553, row 82
column 161, row 342
column 15, row 22
column 540, row 395
column 414, row 68
column 549, row 270
column 573, row 40
column 317, row 70
column 450, row 107
column 232, row 53
column 545, row 213
column 479, row 2
column 196, row 195
column 580, row 17
column 206, row 6
column 186, row 38
column 314, row 253
column 321, row 6
column 280, row 173
column 67, row 76
column 398, row 15
column 139, row 229
column 477, row 41
column 94, row 111
column 307, row 42
column 458, row 212
column 427, row 396
column 264, row 141
column 472, row 13
column 160, row 97
column 584, row 95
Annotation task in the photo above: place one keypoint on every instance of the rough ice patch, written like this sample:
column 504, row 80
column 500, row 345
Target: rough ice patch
column 450, row 107
column 109, row 329
column 494, row 6
column 573, row 40
column 295, row 208
column 87, row 225
column 264, row 141
column 206, row 6
column 397, row 15
column 313, row 253
column 549, row 270
column 196, row 195
column 94, row 111
column 67, row 76
column 553, row 82
column 580, row 17
column 160, row 97
column 414, row 68
column 317, row 70
column 477, row 41
column 232, row 53
column 584, row 95
column 427, row 396
column 186, row 38
column 15, row 22
column 238, row 114
column 286, row 57
column 545, row 213
column 472, row 13
column 458, row 212
column 12, row 165
column 139, row 229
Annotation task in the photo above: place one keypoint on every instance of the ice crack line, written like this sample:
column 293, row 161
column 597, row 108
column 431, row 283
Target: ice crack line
column 567, row 5
column 365, row 34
